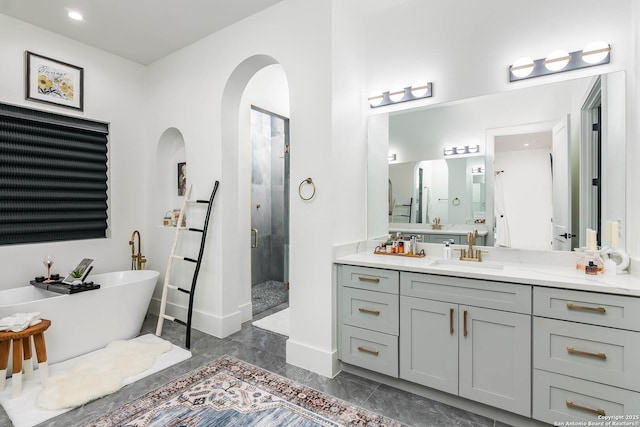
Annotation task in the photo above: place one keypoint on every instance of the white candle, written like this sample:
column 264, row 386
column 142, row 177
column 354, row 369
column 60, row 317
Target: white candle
column 614, row 234
column 608, row 233
column 591, row 239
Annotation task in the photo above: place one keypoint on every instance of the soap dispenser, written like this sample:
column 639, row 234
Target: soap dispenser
column 447, row 249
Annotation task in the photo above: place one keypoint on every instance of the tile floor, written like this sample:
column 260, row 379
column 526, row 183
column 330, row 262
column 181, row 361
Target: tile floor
column 267, row 295
column 267, row 350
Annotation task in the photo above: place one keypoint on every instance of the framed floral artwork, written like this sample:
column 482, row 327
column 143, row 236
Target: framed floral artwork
column 54, row 82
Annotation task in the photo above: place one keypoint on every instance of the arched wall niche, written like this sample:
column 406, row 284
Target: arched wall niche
column 170, row 152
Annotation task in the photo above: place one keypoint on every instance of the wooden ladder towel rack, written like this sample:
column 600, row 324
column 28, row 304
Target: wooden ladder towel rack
column 197, row 261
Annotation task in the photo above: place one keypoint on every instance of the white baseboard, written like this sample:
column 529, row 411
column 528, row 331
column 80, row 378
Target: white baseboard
column 313, row 359
column 246, row 312
column 211, row 324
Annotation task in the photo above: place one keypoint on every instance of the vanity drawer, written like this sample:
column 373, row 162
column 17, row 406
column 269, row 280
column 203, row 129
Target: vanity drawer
column 371, row 310
column 588, row 307
column 478, row 293
column 561, row 398
column 370, row 350
column 375, row 279
column 605, row 355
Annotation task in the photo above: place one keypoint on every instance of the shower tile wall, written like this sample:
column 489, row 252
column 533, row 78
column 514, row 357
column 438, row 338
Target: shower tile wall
column 267, row 186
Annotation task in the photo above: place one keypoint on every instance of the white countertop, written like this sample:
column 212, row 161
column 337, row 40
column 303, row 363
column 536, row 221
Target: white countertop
column 554, row 275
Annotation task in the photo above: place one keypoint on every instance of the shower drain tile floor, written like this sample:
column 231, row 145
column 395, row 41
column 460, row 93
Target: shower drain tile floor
column 267, row 295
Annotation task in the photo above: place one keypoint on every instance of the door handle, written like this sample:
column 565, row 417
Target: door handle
column 464, row 333
column 567, row 235
column 451, row 321
column 255, row 238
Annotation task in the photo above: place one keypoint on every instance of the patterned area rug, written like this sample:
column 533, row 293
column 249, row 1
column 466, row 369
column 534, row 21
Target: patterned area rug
column 228, row 392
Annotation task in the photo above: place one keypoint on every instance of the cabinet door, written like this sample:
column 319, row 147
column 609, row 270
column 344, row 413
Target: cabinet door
column 429, row 343
column 495, row 358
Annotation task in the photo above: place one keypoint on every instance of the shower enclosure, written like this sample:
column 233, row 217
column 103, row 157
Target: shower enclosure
column 269, row 209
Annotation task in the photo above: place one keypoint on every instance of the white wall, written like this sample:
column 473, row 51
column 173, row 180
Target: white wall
column 633, row 134
column 114, row 92
column 466, row 47
column 215, row 69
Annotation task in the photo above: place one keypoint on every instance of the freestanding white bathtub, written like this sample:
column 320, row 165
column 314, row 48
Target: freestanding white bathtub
column 89, row 320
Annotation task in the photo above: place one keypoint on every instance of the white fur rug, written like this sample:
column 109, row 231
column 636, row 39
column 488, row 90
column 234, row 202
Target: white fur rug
column 74, row 382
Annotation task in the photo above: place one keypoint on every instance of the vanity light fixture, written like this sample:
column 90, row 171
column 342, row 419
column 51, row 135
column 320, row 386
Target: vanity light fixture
column 596, row 53
column 461, row 149
column 477, row 171
column 398, row 94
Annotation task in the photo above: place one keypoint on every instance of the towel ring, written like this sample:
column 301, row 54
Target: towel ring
column 455, row 202
column 307, row 181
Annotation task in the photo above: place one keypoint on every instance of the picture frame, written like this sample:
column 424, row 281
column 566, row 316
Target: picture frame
column 53, row 82
column 182, row 178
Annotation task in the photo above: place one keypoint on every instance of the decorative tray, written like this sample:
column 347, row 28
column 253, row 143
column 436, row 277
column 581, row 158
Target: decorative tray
column 420, row 254
column 65, row 288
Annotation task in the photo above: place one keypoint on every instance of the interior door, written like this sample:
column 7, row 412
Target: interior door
column 561, row 187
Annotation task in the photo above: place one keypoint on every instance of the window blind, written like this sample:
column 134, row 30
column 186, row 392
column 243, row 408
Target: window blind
column 53, row 177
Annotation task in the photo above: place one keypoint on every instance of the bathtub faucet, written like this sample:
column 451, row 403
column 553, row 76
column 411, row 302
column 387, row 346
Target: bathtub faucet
column 137, row 259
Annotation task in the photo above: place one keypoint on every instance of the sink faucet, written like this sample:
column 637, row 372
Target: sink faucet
column 471, row 254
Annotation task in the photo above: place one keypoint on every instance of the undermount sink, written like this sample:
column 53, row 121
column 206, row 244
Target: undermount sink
column 459, row 263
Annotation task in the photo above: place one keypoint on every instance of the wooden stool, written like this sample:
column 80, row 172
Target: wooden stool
column 22, row 347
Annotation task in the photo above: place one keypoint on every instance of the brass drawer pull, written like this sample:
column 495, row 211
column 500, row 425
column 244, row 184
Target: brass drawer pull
column 368, row 310
column 451, row 321
column 369, row 279
column 465, row 324
column 572, row 306
column 367, row 350
column 571, row 350
column 570, row 404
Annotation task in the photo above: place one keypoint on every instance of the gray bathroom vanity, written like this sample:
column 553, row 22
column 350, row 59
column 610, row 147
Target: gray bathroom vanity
column 546, row 342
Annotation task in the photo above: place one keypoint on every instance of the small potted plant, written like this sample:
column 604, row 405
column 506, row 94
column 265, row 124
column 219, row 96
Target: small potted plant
column 77, row 273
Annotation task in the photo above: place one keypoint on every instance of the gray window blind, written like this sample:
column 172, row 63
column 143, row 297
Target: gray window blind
column 53, row 176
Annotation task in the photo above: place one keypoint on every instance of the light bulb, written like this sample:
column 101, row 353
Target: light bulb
column 556, row 60
column 396, row 93
column 595, row 52
column 522, row 67
column 419, row 89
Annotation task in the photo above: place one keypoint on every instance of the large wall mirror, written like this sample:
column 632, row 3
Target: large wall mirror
column 550, row 164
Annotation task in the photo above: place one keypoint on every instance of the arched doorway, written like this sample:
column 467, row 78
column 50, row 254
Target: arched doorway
column 236, row 182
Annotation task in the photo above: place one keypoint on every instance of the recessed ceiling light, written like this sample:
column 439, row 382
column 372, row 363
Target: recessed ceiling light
column 76, row 16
